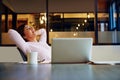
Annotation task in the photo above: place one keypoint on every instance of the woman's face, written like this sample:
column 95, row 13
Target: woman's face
column 29, row 33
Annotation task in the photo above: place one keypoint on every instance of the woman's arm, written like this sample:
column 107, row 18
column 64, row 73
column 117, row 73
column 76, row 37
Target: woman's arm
column 18, row 40
column 42, row 33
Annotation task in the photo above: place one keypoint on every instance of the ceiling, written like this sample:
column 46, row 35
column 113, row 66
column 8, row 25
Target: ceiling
column 37, row 6
column 26, row 6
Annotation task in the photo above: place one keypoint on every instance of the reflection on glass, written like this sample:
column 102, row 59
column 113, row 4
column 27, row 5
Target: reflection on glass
column 69, row 21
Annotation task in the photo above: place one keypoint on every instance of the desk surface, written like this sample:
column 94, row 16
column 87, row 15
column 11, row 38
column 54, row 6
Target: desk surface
column 18, row 71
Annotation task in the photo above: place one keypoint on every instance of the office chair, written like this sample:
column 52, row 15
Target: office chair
column 24, row 57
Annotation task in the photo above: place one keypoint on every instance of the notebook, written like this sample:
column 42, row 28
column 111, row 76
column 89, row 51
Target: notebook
column 71, row 50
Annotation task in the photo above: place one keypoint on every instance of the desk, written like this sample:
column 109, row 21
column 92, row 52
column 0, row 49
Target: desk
column 18, row 71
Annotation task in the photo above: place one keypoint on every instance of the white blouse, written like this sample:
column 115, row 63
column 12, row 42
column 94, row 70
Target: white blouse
column 43, row 49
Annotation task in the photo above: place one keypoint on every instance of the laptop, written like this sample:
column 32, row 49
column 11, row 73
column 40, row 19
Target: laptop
column 71, row 50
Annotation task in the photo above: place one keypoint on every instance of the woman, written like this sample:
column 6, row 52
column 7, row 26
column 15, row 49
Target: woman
column 26, row 39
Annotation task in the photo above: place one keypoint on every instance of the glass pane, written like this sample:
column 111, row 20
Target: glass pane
column 5, row 27
column 71, row 25
column 71, row 22
column 107, row 29
column 71, row 34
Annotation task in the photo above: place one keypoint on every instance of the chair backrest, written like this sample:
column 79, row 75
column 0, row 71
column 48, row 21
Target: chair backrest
column 24, row 57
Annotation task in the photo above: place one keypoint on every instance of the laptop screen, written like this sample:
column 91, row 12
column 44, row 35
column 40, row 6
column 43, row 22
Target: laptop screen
column 69, row 50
